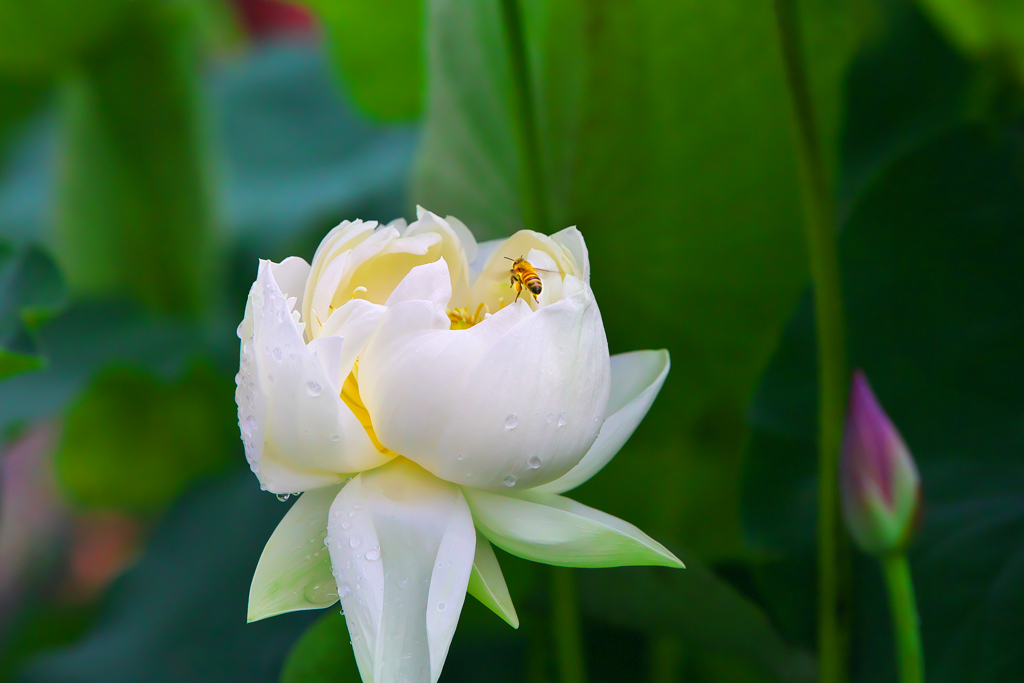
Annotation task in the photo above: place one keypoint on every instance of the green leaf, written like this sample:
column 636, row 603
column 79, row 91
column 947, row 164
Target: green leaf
column 133, row 443
column 14, row 363
column 41, row 36
column 704, row 611
column 323, row 654
column 134, row 214
column 932, row 284
column 31, row 291
column 179, row 613
column 377, row 47
column 19, row 98
column 982, row 27
column 666, row 137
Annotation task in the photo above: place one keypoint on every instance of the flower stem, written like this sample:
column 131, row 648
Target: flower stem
column 832, row 370
column 667, row 659
column 566, row 623
column 905, row 622
column 535, row 205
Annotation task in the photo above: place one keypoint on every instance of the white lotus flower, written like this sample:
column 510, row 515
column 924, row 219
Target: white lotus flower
column 427, row 413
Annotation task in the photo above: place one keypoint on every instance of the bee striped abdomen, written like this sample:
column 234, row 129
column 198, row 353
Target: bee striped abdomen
column 532, row 282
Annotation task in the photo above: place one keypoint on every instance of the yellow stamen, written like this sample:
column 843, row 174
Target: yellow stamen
column 462, row 319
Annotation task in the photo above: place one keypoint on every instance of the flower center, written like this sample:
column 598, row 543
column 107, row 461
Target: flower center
column 462, row 319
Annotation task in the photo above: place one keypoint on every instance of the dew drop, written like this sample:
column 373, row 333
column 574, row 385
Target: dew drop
column 320, row 592
column 346, row 526
column 512, row 421
column 351, row 515
column 276, row 353
column 336, row 437
column 372, row 555
column 283, row 496
column 250, row 425
column 344, row 590
column 534, row 463
column 460, row 458
column 561, row 419
column 509, row 481
column 441, row 606
column 550, row 418
column 355, row 541
column 313, row 388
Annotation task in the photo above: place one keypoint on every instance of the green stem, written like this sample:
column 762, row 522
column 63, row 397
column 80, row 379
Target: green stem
column 905, row 622
column 832, row 370
column 566, row 623
column 535, row 206
column 667, row 659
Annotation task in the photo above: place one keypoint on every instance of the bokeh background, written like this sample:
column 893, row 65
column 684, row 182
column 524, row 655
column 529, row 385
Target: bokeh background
column 152, row 150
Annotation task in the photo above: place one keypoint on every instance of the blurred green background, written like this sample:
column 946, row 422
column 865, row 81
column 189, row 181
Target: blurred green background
column 152, row 150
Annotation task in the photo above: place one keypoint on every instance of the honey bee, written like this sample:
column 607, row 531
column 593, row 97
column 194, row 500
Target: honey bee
column 525, row 275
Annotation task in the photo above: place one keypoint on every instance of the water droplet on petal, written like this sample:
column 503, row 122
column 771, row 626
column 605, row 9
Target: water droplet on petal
column 550, row 418
column 533, row 463
column 313, row 388
column 372, row 555
column 441, row 606
column 355, row 541
column 351, row 514
column 561, row 419
column 346, row 526
column 320, row 592
column 509, row 481
column 276, row 353
column 335, row 437
column 283, row 496
column 512, row 421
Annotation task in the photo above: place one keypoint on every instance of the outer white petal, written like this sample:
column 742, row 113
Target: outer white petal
column 572, row 241
column 294, row 571
column 637, row 378
column 298, row 435
column 402, row 546
column 514, row 401
column 487, row 584
column 547, row 528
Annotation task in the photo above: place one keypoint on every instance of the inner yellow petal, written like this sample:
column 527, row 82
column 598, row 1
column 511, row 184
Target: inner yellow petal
column 350, row 395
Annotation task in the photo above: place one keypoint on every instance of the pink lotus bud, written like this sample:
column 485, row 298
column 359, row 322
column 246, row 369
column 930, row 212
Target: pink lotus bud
column 881, row 488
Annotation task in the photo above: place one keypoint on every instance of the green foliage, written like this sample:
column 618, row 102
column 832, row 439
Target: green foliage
column 707, row 614
column 179, row 615
column 669, row 123
column 939, row 336
column 41, row 36
column 133, row 443
column 377, row 47
column 322, row 655
column 983, row 27
column 134, row 205
column 31, row 290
